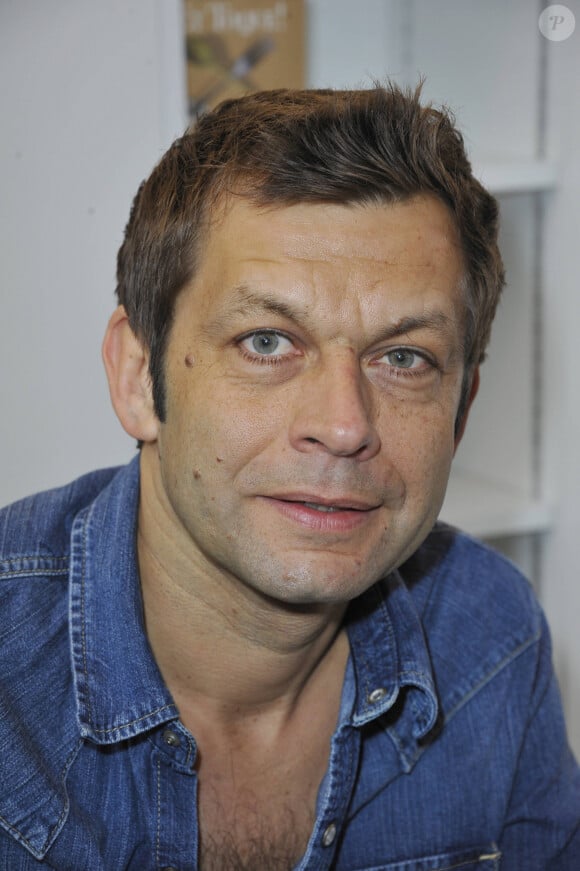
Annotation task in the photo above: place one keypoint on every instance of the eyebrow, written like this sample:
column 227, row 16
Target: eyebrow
column 250, row 303
column 434, row 320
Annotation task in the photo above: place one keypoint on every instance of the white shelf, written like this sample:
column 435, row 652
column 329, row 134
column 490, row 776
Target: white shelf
column 487, row 510
column 516, row 177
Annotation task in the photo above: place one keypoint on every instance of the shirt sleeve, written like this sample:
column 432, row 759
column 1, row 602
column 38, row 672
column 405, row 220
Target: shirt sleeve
column 542, row 829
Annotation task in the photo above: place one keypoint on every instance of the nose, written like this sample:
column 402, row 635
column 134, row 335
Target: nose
column 334, row 412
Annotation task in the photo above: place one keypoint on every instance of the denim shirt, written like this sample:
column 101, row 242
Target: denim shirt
column 449, row 751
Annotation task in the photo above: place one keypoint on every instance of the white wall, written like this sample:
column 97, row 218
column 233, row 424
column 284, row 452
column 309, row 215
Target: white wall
column 85, row 114
column 561, row 369
column 91, row 93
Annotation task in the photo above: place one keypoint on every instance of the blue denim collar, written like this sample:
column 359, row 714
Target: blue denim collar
column 391, row 661
column 120, row 691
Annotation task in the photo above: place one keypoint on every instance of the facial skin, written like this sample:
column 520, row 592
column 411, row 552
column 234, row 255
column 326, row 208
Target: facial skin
column 315, row 358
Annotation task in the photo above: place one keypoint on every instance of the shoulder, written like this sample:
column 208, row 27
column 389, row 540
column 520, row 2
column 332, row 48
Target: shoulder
column 461, row 576
column 37, row 704
column 34, row 571
column 39, row 525
column 480, row 615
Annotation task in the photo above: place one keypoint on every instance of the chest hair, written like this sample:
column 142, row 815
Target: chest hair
column 252, row 836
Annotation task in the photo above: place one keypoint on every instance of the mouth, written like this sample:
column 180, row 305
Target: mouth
column 330, row 507
column 316, row 506
column 323, row 513
column 324, row 501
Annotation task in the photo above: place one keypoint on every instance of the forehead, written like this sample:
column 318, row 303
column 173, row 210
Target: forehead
column 420, row 229
column 373, row 255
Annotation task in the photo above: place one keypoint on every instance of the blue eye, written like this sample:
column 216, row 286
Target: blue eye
column 265, row 342
column 402, row 358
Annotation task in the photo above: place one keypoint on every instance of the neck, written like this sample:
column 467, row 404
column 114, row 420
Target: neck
column 218, row 642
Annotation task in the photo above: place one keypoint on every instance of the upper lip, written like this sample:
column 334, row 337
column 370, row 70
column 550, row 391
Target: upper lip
column 345, row 502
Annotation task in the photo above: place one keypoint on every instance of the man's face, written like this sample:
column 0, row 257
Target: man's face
column 313, row 377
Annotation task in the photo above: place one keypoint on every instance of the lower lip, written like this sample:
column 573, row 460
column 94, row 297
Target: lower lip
column 322, row 521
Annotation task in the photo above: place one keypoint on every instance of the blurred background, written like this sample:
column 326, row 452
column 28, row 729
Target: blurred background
column 91, row 94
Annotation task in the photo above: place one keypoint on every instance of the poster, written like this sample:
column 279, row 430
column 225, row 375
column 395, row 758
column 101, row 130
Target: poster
column 237, row 46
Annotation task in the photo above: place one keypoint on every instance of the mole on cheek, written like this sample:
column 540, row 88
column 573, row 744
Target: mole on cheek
column 189, row 360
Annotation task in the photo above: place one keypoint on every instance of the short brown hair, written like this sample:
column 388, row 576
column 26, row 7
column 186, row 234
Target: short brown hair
column 318, row 146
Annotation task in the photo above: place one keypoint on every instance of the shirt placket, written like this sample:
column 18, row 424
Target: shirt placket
column 334, row 800
column 176, row 834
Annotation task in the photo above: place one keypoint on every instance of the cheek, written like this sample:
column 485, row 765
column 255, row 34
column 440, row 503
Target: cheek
column 260, row 419
column 221, row 423
column 418, row 438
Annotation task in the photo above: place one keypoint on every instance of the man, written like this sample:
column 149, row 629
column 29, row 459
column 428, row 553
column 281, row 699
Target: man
column 252, row 648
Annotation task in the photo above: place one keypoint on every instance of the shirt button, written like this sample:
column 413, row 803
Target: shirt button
column 377, row 695
column 329, row 835
column 173, row 740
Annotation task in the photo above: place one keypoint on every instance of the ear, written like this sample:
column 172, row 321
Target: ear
column 127, row 366
column 472, row 394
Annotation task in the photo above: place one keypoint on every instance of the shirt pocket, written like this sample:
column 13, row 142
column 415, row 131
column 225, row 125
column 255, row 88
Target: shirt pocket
column 470, row 859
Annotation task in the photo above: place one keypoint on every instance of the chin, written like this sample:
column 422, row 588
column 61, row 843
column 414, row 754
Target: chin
column 308, row 587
